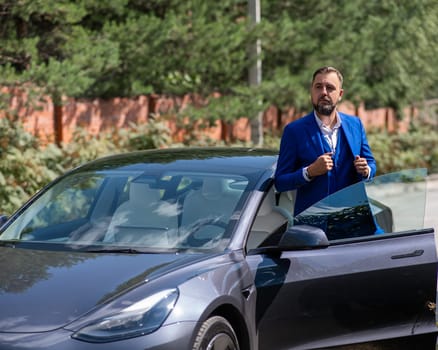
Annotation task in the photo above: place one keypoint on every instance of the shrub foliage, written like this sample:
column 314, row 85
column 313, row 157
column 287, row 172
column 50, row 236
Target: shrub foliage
column 26, row 165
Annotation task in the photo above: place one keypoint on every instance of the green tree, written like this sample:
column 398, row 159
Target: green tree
column 91, row 48
column 46, row 48
column 385, row 48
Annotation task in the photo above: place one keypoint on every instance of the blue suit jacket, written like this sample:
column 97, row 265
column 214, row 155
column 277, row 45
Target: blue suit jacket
column 302, row 143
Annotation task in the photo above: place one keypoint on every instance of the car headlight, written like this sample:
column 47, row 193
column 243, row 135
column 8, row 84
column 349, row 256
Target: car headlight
column 138, row 319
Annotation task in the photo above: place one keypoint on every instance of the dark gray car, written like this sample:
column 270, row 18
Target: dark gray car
column 194, row 249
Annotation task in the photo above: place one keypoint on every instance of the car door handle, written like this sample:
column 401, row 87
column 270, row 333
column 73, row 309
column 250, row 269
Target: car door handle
column 415, row 253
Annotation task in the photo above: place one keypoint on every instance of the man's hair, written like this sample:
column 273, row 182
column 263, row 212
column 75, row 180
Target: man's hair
column 328, row 69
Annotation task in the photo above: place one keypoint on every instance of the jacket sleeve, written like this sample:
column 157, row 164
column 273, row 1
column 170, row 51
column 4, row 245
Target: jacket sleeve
column 366, row 152
column 288, row 174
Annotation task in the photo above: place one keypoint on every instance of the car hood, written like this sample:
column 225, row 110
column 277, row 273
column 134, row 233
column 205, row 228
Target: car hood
column 43, row 290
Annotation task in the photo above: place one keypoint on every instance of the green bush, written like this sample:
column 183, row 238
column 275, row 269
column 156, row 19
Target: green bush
column 23, row 164
column 416, row 149
column 26, row 166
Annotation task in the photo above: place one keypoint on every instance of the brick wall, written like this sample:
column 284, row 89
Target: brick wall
column 98, row 115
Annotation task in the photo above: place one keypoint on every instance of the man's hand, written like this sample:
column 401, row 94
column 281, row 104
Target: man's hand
column 321, row 165
column 361, row 166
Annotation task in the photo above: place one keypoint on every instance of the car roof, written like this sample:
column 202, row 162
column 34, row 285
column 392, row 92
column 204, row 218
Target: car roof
column 240, row 160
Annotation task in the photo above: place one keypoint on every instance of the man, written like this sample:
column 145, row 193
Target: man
column 325, row 150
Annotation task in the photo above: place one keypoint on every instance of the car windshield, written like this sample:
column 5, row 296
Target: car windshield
column 115, row 209
column 389, row 203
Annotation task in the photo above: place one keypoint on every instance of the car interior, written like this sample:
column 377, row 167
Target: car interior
column 139, row 219
column 207, row 210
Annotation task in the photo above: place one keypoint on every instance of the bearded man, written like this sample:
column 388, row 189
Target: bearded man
column 325, row 150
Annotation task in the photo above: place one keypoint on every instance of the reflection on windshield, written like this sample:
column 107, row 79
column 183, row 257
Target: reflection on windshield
column 169, row 210
column 389, row 203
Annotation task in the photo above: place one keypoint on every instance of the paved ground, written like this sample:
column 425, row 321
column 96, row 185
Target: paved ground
column 431, row 218
column 414, row 205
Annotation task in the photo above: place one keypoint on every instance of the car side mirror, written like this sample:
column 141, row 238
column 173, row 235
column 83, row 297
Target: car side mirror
column 298, row 237
column 303, row 237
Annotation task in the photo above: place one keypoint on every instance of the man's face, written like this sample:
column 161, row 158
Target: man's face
column 326, row 92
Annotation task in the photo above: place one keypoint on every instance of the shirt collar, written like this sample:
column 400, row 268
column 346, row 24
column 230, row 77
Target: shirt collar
column 322, row 126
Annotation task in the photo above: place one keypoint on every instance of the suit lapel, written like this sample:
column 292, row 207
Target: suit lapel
column 350, row 135
column 314, row 134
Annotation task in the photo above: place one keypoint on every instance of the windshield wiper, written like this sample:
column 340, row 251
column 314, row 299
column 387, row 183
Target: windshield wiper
column 127, row 250
column 116, row 250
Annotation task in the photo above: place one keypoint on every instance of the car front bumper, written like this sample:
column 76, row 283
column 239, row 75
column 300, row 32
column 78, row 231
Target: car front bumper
column 170, row 337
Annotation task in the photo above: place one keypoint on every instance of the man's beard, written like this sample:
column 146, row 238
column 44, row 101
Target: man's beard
column 324, row 108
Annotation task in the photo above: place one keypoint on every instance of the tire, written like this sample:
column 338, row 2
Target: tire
column 216, row 333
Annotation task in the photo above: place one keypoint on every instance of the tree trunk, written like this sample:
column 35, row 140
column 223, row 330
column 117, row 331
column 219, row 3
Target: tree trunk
column 57, row 123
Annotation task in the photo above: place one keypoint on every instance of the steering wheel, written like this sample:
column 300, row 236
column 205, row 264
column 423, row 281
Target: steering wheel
column 191, row 238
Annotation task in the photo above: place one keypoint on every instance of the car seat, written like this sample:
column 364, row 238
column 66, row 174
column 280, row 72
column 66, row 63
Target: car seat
column 144, row 218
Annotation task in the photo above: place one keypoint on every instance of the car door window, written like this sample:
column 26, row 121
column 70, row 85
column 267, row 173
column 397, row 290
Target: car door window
column 270, row 222
column 404, row 194
column 389, row 203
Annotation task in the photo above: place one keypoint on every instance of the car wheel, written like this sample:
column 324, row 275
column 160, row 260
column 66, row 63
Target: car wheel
column 216, row 333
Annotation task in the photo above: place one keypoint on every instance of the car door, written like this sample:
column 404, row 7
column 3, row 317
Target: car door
column 370, row 286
